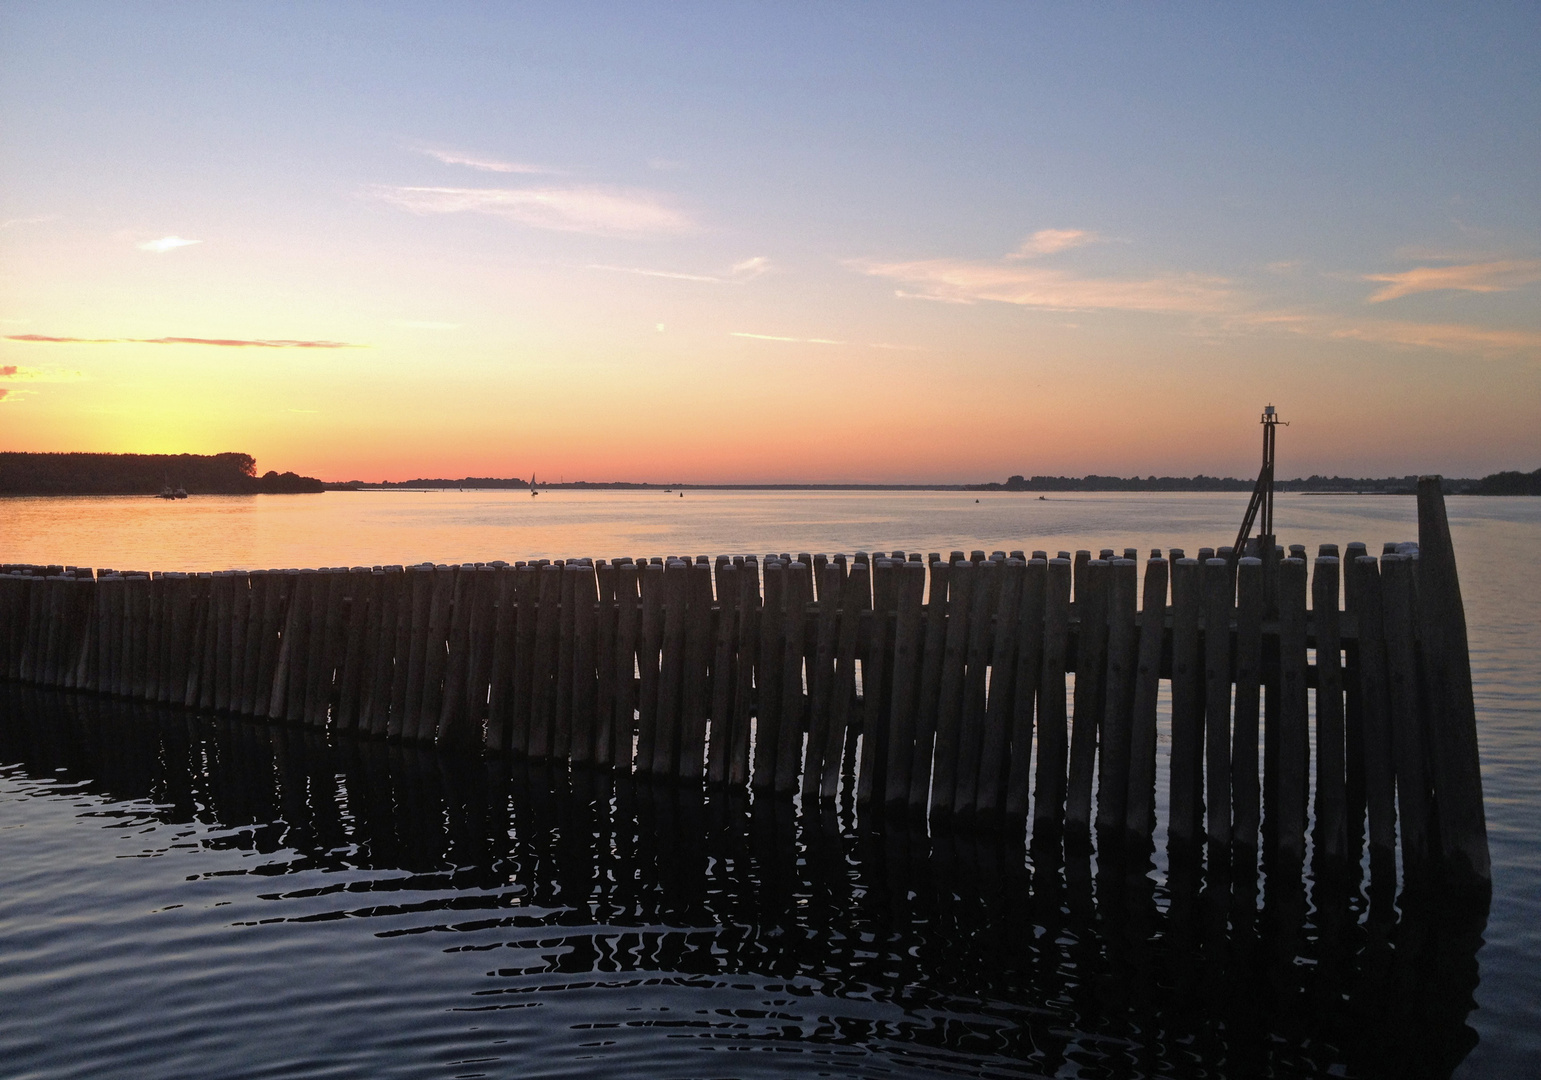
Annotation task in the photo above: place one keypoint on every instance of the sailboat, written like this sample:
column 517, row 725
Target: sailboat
column 533, row 492
column 166, row 492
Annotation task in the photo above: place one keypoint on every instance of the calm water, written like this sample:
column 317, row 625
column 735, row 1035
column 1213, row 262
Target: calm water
column 189, row 896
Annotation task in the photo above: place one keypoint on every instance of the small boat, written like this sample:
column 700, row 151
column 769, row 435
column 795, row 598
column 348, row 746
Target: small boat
column 180, row 493
column 533, row 492
column 166, row 492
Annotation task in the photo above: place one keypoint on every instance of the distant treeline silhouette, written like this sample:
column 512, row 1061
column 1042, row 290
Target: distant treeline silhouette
column 143, row 474
column 1504, row 483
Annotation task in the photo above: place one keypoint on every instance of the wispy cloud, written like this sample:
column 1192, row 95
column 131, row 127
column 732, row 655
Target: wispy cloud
column 17, row 373
column 778, row 337
column 962, row 281
column 478, row 161
column 36, row 219
column 740, row 272
column 1444, row 337
column 1048, row 241
column 234, row 343
column 1483, row 277
column 598, row 211
column 167, row 243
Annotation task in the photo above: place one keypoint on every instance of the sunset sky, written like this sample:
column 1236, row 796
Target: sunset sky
column 743, row 242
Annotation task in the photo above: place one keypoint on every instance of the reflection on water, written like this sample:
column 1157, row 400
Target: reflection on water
column 360, row 908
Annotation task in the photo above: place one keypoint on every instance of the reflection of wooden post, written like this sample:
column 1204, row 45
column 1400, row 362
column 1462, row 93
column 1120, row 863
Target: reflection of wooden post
column 1452, row 709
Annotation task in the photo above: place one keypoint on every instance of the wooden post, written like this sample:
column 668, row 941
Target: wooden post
column 1294, row 744
column 1407, row 736
column 1029, row 664
column 440, row 612
column 908, row 626
column 1217, row 701
column 625, row 661
column 350, row 672
column 326, row 642
column 855, row 598
column 543, row 672
column 1091, row 659
column 567, row 625
column 500, row 677
column 604, row 665
column 1118, row 707
column 1331, row 770
column 748, row 645
column 251, row 661
column 671, row 668
column 695, row 700
column 653, row 582
column 821, row 681
column 1379, row 771
column 240, row 622
column 380, row 641
column 1053, row 748
column 1187, row 705
column 1452, row 709
column 1249, row 657
column 527, row 586
column 405, row 584
column 452, row 724
column 585, row 666
column 971, row 730
column 789, row 742
column 1140, row 805
column 276, row 694
column 768, row 721
column 421, row 581
column 933, row 648
column 949, row 720
column 995, row 751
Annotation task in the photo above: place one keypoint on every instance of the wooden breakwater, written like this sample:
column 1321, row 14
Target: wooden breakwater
column 1011, row 691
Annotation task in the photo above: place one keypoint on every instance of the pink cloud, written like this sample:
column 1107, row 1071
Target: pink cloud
column 1496, row 276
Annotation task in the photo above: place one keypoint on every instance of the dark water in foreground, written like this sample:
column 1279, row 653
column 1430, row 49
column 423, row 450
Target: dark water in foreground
column 182, row 896
column 263, row 903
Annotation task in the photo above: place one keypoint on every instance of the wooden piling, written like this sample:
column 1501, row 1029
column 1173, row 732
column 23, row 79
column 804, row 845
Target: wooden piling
column 995, row 751
column 585, row 666
column 821, row 675
column 695, row 697
column 1091, row 660
column 1140, row 801
column 1118, row 700
column 1452, row 711
column 1245, row 788
column 605, row 617
column 1414, row 800
column 567, row 624
column 671, row 668
column 1217, row 701
column 1187, row 705
column 625, row 661
column 949, row 720
column 971, row 732
column 1053, row 741
column 452, row 725
column 1294, row 744
column 933, row 649
column 855, row 598
column 908, row 627
column 543, row 668
column 1375, row 725
column 746, row 656
column 527, row 586
column 1331, row 769
column 798, row 583
column 771, row 677
column 1029, row 667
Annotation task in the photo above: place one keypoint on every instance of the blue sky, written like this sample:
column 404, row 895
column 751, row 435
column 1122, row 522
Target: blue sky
column 776, row 241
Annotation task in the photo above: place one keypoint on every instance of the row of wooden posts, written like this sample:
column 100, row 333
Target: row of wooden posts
column 919, row 685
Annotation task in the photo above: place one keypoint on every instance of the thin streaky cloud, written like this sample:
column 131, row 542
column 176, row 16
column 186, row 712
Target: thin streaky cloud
column 37, row 219
column 485, row 164
column 17, row 373
column 1484, row 277
column 167, row 243
column 598, row 211
column 738, row 274
column 1048, row 241
column 962, row 281
column 642, row 272
column 1444, row 337
column 229, row 343
column 778, row 337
